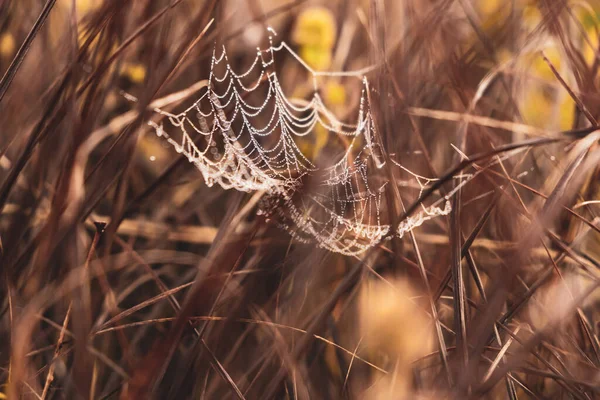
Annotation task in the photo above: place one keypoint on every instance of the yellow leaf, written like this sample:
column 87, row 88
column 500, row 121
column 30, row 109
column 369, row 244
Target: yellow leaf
column 566, row 114
column 532, row 17
column 492, row 12
column 135, row 72
column 335, row 94
column 540, row 66
column 390, row 324
column 489, row 7
column 83, row 6
column 316, row 57
column 305, row 147
column 315, row 27
column 537, row 108
column 7, row 45
column 589, row 49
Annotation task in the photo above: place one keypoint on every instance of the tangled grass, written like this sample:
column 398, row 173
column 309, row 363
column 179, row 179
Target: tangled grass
column 123, row 275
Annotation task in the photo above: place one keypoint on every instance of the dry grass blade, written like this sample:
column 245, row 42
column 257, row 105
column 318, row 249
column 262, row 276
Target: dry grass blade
column 509, row 126
column 460, row 304
column 13, row 68
column 479, row 157
column 500, row 355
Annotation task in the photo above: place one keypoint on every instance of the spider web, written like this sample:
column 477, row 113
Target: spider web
column 242, row 133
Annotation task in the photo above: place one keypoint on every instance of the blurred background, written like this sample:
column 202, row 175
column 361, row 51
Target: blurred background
column 123, row 275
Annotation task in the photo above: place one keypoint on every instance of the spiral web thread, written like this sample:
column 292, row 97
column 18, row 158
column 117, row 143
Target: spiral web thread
column 251, row 147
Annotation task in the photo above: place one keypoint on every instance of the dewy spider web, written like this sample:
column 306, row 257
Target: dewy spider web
column 251, row 146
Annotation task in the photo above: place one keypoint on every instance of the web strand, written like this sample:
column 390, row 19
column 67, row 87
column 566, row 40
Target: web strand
column 242, row 143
